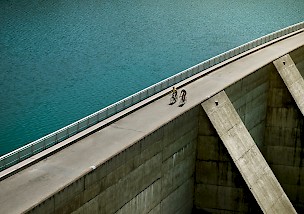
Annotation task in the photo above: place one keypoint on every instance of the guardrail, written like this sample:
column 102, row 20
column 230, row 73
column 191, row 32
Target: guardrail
column 47, row 141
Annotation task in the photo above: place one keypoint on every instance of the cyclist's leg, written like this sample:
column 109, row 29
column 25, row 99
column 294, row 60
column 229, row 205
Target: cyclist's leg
column 173, row 98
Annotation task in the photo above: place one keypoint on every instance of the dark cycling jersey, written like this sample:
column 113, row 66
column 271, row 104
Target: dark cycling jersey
column 183, row 94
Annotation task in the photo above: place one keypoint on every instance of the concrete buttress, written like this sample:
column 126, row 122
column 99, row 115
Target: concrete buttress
column 247, row 157
column 292, row 79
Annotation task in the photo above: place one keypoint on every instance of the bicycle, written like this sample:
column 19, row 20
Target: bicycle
column 173, row 98
column 183, row 100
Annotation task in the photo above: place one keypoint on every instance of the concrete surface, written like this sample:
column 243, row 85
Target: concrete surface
column 246, row 155
column 292, row 79
column 283, row 144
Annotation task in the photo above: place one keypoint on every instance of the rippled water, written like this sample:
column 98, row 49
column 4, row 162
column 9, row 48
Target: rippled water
column 63, row 60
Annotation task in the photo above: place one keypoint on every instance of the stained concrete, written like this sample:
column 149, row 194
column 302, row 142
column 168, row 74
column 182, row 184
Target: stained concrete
column 283, row 144
column 246, row 155
column 292, row 79
column 219, row 186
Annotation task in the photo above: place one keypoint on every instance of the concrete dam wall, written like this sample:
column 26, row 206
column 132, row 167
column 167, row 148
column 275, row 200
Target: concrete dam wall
column 236, row 146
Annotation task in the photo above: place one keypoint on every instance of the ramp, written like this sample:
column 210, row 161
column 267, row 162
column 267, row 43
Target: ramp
column 250, row 162
column 292, row 79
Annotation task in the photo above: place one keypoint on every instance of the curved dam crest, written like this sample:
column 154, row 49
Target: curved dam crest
column 167, row 159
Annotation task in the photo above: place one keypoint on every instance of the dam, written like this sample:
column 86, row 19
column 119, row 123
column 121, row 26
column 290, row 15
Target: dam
column 235, row 146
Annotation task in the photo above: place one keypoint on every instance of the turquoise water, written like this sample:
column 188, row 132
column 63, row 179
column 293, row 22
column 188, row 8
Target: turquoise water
column 63, row 60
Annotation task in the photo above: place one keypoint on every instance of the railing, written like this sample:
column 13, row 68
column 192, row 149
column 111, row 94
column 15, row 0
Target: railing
column 47, row 141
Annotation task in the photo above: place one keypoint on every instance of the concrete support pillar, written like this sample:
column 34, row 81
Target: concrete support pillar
column 245, row 154
column 292, row 79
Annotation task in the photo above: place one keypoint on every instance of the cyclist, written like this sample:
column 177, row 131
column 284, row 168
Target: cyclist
column 174, row 93
column 183, row 95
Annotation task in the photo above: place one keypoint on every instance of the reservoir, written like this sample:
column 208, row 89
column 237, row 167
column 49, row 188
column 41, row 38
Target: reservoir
column 63, row 60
